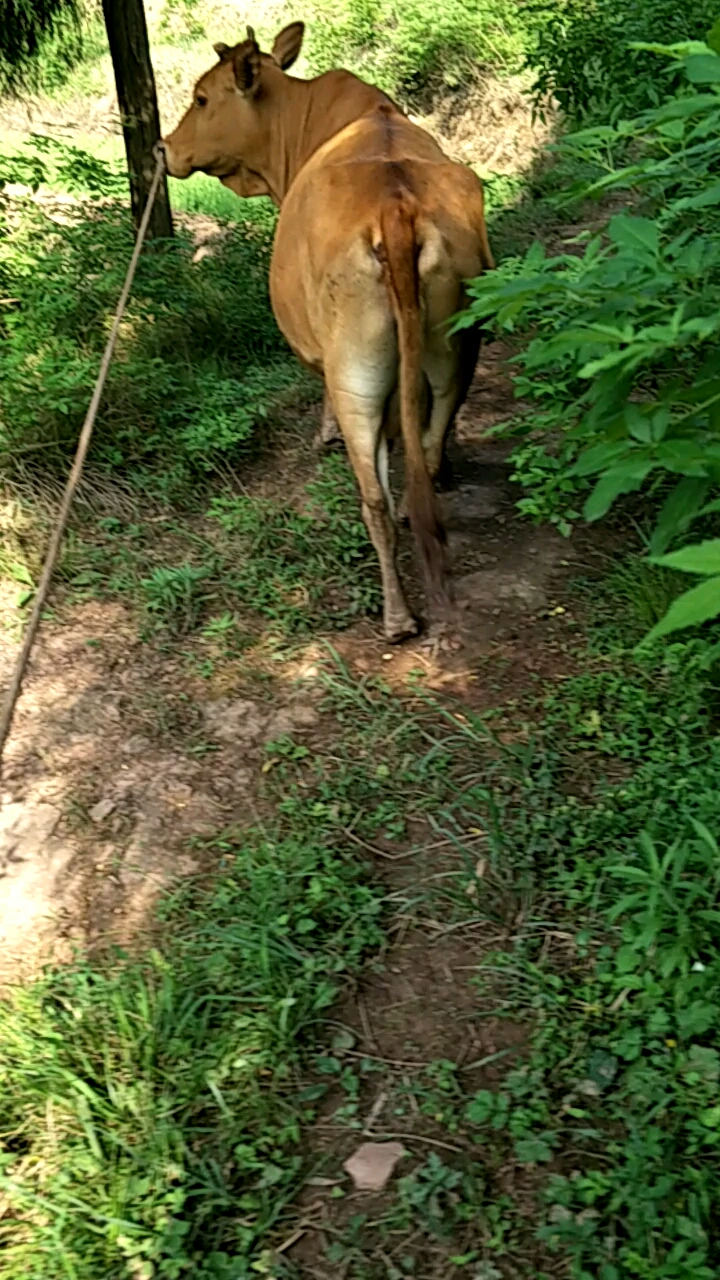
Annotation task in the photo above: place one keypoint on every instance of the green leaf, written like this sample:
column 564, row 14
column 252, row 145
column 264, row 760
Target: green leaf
column 635, row 233
column 599, row 457
column 678, row 511
column 481, row 1108
column 710, row 196
column 702, row 557
column 706, row 836
column 612, row 484
column 602, row 1068
column 705, row 1062
column 695, row 1019
column 312, row 1093
column 703, row 68
column 532, row 1150
column 689, row 610
column 711, row 1117
column 712, row 38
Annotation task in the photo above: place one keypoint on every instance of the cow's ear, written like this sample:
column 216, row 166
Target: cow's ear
column 287, row 44
column 246, row 65
column 222, row 51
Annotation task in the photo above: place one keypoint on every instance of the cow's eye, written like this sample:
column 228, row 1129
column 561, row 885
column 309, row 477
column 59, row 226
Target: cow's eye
column 201, row 100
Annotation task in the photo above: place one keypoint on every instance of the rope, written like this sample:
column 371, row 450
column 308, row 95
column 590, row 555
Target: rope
column 13, row 694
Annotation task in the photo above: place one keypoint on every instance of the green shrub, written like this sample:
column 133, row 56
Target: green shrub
column 623, row 1075
column 414, row 49
column 34, row 33
column 200, row 360
column 623, row 340
column 581, row 54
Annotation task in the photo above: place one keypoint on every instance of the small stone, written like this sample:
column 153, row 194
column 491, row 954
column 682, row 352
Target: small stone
column 304, row 716
column 372, row 1164
column 102, row 810
column 136, row 745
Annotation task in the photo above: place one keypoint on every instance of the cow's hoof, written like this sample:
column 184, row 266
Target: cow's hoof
column 327, row 444
column 441, row 637
column 402, row 630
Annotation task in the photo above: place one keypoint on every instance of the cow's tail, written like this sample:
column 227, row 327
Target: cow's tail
column 399, row 252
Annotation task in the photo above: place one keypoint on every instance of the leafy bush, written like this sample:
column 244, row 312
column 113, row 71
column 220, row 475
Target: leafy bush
column 413, row 49
column 31, row 29
column 582, row 54
column 200, row 360
column 623, row 357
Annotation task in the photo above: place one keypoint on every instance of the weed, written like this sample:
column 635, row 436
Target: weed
column 584, row 54
column 144, row 1104
column 410, row 49
column 621, row 346
column 301, row 568
column 174, row 596
column 629, row 600
column 290, row 569
column 200, row 363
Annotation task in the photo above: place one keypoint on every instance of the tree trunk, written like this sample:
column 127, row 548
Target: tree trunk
column 137, row 99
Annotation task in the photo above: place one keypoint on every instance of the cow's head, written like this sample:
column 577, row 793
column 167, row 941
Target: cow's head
column 226, row 127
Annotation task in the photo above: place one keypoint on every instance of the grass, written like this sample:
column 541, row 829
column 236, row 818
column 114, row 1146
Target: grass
column 198, row 194
column 410, row 50
column 145, row 1103
column 201, row 194
column 603, row 862
column 184, row 1087
column 157, row 1110
column 248, row 567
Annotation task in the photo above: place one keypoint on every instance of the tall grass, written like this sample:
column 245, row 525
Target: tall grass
column 148, row 1110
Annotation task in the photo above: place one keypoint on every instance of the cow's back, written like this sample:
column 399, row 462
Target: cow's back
column 330, row 220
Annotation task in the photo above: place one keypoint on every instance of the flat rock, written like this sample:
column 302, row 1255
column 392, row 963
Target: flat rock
column 471, row 502
column 33, row 867
column 288, row 720
column 102, row 810
column 235, row 721
column 371, row 1166
column 490, row 588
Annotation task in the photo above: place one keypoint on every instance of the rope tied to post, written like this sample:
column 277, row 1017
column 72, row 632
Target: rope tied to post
column 8, row 710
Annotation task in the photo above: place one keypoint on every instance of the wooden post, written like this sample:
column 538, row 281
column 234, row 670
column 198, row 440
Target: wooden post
column 137, row 99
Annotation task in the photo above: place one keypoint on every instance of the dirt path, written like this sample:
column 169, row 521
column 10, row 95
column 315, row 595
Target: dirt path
column 121, row 754
column 125, row 755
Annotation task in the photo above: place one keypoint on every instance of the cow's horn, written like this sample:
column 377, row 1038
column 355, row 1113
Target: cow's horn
column 251, row 34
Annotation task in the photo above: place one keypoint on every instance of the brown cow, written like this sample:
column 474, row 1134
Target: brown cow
column 376, row 234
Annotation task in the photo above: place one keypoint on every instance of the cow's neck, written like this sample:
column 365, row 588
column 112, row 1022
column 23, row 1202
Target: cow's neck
column 301, row 116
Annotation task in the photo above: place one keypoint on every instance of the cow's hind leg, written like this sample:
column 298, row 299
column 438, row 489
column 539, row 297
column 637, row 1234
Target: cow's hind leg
column 449, row 373
column 361, row 424
column 328, row 436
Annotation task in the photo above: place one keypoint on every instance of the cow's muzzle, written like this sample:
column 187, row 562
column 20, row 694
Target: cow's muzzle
column 176, row 167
